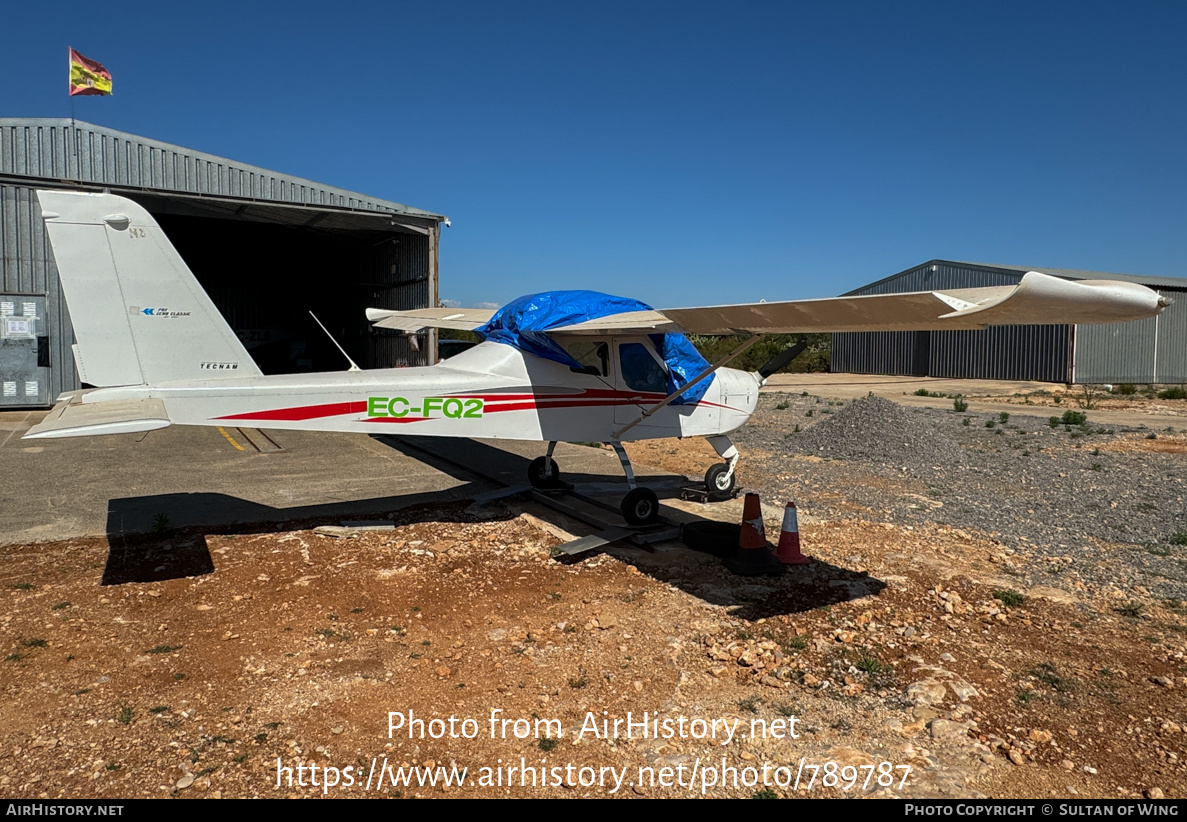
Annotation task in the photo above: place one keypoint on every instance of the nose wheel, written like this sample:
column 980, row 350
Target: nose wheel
column 720, row 481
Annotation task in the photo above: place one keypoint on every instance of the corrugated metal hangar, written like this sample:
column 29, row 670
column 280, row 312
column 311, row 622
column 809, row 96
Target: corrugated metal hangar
column 266, row 246
column 1147, row 351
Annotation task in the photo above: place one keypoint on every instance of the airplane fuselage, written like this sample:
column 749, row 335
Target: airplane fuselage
column 490, row 391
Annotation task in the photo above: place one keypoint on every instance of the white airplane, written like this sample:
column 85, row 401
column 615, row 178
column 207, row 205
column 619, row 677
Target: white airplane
column 561, row 366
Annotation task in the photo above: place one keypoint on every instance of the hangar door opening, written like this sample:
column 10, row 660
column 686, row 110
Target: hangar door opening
column 267, row 267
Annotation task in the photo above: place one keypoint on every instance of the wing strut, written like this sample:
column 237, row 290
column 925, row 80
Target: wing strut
column 728, row 358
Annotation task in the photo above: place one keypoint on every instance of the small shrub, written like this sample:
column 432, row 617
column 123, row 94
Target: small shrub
column 749, row 704
column 1004, row 417
column 1048, row 674
column 782, row 406
column 126, row 715
column 1096, row 466
column 160, row 524
column 60, row 606
column 990, row 423
column 959, row 405
column 966, row 422
column 1179, row 538
column 1009, row 597
column 1125, row 389
column 1131, row 609
column 808, row 413
column 922, row 392
column 1053, row 422
column 34, row 643
column 547, row 744
column 765, row 793
column 869, row 664
column 578, row 681
column 1178, row 393
column 158, row 709
column 1073, row 418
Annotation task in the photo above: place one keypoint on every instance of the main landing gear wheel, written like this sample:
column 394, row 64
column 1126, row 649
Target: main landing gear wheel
column 544, row 473
column 640, row 506
column 720, row 481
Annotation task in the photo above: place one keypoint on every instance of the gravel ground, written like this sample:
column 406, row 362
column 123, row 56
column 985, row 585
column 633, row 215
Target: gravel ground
column 1095, row 504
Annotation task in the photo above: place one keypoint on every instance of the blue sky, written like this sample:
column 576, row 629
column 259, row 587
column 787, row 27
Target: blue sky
column 678, row 153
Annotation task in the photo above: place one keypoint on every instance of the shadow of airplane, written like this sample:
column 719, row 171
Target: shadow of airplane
column 161, row 537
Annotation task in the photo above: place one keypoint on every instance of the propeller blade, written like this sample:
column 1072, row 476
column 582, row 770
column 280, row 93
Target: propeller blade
column 781, row 359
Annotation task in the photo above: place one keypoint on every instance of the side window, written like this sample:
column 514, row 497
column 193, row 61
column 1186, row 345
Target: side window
column 593, row 356
column 640, row 371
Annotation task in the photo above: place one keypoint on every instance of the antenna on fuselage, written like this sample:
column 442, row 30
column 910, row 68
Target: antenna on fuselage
column 353, row 366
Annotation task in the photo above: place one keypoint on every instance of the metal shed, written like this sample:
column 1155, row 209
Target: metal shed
column 267, row 247
column 1146, row 351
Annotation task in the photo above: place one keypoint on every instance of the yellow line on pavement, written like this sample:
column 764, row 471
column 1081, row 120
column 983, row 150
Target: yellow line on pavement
column 230, row 439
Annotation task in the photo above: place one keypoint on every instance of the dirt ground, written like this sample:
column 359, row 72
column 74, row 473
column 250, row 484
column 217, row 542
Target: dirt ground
column 282, row 663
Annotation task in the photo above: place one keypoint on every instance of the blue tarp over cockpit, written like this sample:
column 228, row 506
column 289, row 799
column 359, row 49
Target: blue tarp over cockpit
column 524, row 323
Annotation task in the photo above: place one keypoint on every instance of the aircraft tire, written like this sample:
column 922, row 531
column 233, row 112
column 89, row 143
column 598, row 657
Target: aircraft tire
column 640, row 506
column 716, row 483
column 542, row 475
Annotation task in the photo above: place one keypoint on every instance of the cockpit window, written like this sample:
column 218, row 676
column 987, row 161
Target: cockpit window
column 594, row 357
column 640, row 370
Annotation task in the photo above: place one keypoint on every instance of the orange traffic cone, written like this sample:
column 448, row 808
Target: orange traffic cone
column 754, row 533
column 789, row 539
column 754, row 557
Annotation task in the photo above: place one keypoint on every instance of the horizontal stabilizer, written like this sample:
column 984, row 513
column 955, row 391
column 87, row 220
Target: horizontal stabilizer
column 73, row 418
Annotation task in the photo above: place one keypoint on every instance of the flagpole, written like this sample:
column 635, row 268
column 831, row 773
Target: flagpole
column 73, row 136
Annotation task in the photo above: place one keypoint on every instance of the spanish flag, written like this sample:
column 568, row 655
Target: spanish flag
column 87, row 76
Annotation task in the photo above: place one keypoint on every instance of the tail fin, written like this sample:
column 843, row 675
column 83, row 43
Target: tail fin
column 139, row 315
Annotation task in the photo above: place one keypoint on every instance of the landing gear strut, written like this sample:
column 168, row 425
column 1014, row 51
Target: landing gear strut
column 640, row 506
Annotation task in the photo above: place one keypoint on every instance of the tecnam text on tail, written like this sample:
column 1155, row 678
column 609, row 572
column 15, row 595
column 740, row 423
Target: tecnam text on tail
column 560, row 366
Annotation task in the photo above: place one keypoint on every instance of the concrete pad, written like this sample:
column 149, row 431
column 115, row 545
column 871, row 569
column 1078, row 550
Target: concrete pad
column 90, row 486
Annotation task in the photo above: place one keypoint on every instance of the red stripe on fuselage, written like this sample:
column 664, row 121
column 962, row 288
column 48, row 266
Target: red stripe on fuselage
column 592, row 398
column 303, row 412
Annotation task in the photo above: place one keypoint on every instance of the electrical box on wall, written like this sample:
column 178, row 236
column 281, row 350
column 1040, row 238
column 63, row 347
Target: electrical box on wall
column 24, row 351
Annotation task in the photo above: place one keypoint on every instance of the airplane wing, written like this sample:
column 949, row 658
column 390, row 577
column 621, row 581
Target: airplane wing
column 1038, row 299
column 412, row 322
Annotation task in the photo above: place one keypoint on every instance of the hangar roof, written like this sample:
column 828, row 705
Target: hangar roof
column 913, row 281
column 65, row 152
column 1078, row 274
